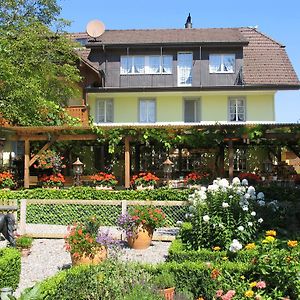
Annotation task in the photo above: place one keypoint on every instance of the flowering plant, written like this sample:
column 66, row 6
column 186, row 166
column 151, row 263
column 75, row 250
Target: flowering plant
column 49, row 159
column 147, row 216
column 196, row 178
column 104, row 179
column 86, row 239
column 6, row 180
column 144, row 179
column 54, row 180
column 251, row 177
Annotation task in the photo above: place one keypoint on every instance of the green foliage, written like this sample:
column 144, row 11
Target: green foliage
column 38, row 66
column 110, row 280
column 24, row 242
column 10, row 268
column 164, row 280
column 220, row 215
column 142, row 293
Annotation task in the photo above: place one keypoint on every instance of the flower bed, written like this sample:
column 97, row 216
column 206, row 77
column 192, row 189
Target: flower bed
column 6, row 180
column 144, row 180
column 104, row 179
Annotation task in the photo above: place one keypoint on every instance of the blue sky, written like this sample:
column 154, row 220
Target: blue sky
column 278, row 19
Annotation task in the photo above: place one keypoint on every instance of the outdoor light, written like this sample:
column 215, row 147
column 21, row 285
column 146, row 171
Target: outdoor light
column 6, row 293
column 78, row 170
column 167, row 168
column 268, row 166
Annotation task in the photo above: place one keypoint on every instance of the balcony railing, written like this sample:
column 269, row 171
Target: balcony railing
column 80, row 112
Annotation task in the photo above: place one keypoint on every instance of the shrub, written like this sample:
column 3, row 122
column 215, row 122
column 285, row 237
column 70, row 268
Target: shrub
column 6, row 180
column 10, row 267
column 221, row 215
column 24, row 242
column 110, row 280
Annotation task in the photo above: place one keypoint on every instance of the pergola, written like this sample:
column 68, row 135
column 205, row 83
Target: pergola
column 233, row 134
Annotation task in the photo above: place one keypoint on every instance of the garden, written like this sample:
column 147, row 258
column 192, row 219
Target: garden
column 235, row 241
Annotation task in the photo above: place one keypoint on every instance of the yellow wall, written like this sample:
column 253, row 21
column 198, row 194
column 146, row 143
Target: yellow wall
column 169, row 105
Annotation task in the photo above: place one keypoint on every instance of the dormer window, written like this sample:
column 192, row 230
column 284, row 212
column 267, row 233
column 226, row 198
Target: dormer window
column 150, row 64
column 221, row 63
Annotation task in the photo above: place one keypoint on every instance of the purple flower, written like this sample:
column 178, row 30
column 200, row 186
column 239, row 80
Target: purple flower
column 104, row 238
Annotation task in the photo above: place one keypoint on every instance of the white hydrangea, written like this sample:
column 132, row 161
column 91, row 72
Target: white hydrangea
column 260, row 220
column 261, row 196
column 213, row 188
column 247, row 196
column 179, row 223
column 236, row 181
column 230, row 196
column 241, row 228
column 261, row 203
column 251, row 190
column 206, row 218
column 250, row 224
column 223, row 183
column 245, row 208
column 235, row 246
column 245, row 182
column 225, row 205
column 253, row 213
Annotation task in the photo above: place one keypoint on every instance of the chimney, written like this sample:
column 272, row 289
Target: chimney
column 188, row 23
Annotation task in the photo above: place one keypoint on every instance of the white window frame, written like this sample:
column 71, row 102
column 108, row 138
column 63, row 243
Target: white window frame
column 197, row 103
column 236, row 99
column 223, row 71
column 147, row 110
column 178, row 68
column 105, row 101
column 147, row 69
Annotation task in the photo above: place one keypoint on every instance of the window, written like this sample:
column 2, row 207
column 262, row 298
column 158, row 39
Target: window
column 147, row 111
column 240, row 160
column 237, row 109
column 221, row 63
column 184, row 68
column 104, row 111
column 152, row 64
column 191, row 110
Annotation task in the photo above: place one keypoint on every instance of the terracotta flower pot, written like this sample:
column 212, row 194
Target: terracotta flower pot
column 168, row 293
column 25, row 252
column 141, row 237
column 84, row 259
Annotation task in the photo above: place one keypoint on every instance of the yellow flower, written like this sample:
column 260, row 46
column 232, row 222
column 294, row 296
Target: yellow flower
column 253, row 284
column 271, row 233
column 224, row 257
column 249, row 294
column 250, row 246
column 216, row 248
column 292, row 244
column 242, row 277
column 268, row 239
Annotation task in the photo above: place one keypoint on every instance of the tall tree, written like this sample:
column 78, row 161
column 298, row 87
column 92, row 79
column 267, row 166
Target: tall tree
column 38, row 66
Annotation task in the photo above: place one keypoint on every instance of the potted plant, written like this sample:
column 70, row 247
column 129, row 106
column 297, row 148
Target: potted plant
column 139, row 224
column 24, row 243
column 6, row 180
column 195, row 179
column 86, row 244
column 165, row 283
column 54, row 181
column 144, row 181
column 50, row 159
column 104, row 181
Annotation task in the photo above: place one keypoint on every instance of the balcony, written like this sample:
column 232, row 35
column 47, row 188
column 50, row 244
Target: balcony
column 80, row 112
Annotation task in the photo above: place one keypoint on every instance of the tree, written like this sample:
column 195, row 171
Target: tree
column 38, row 66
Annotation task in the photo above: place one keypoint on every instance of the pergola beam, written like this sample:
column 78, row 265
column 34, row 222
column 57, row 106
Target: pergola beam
column 61, row 137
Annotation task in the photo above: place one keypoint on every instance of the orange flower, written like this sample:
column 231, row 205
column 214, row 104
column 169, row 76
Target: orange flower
column 215, row 273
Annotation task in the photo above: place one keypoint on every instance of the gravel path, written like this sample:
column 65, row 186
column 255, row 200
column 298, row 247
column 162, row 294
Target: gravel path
column 48, row 257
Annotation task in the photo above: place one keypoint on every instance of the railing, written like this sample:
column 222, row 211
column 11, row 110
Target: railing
column 80, row 112
column 49, row 218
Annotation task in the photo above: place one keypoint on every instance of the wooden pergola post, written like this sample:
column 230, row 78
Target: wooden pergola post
column 127, row 162
column 26, row 163
column 231, row 159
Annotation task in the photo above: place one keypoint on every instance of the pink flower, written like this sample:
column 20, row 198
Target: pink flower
column 228, row 295
column 261, row 284
column 219, row 293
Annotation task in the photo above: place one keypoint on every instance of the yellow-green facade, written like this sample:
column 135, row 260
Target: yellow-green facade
column 170, row 105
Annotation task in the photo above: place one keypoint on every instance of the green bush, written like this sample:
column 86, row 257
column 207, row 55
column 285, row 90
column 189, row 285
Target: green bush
column 10, row 267
column 110, row 280
column 24, row 242
column 90, row 193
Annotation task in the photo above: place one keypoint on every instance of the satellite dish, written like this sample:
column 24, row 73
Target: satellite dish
column 95, row 28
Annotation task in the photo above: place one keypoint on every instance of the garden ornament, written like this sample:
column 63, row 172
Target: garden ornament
column 7, row 227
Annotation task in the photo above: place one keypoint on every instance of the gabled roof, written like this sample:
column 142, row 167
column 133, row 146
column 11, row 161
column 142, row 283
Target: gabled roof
column 266, row 63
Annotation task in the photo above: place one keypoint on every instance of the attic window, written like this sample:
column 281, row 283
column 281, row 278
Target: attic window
column 221, row 63
column 82, row 41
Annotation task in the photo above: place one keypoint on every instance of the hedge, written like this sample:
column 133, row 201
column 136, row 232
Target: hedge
column 10, row 267
column 177, row 253
column 88, row 193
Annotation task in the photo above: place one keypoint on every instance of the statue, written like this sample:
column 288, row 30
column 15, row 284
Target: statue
column 7, row 227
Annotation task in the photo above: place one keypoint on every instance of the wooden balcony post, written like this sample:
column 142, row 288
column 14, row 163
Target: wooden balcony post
column 26, row 163
column 231, row 160
column 127, row 162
